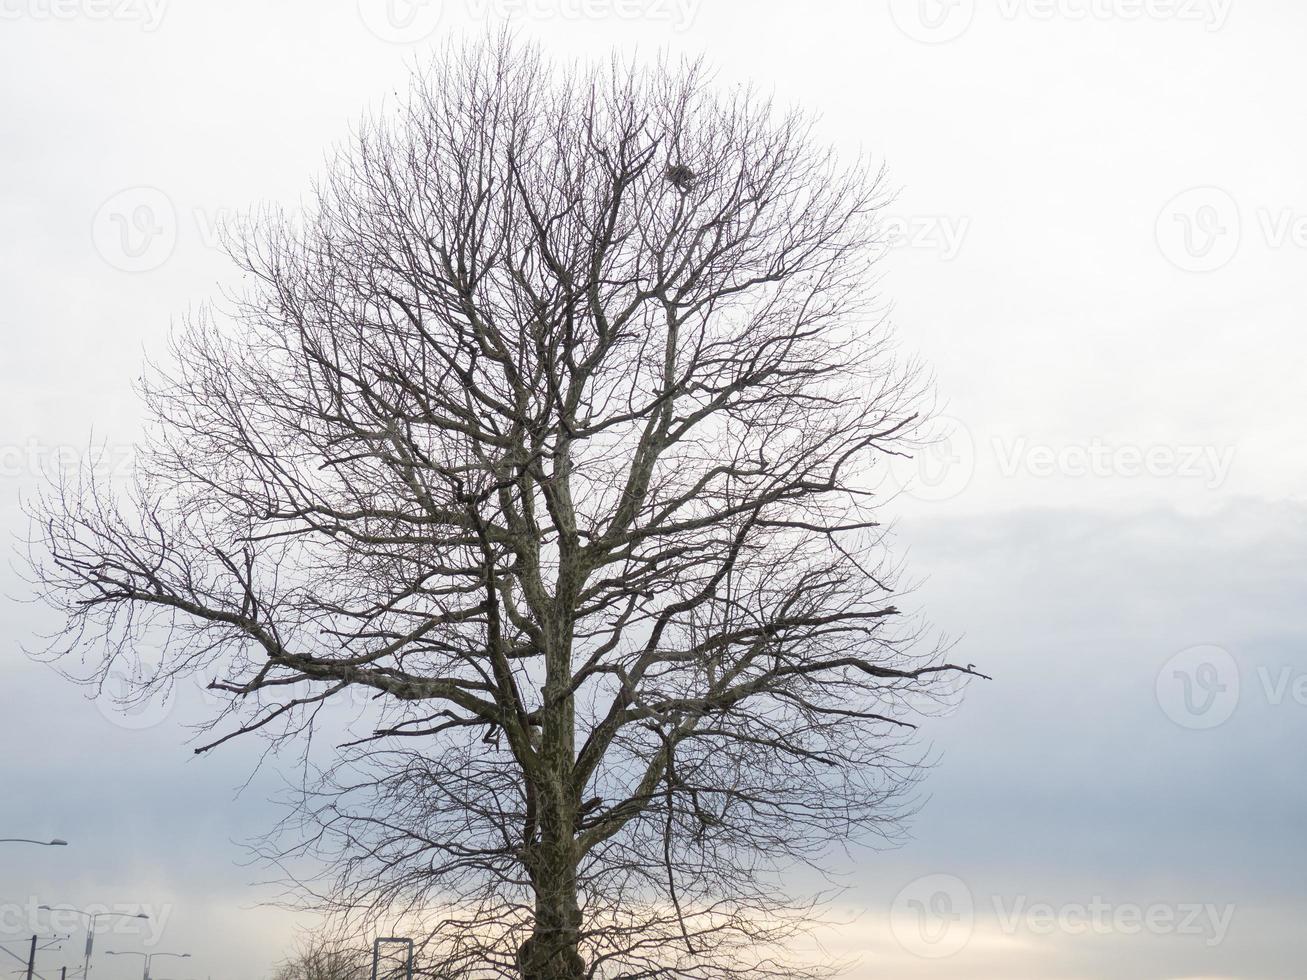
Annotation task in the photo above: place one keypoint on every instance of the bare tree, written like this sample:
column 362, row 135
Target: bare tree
column 552, row 424
column 318, row 958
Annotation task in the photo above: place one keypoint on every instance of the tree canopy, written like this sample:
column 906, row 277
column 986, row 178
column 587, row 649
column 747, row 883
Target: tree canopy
column 551, row 424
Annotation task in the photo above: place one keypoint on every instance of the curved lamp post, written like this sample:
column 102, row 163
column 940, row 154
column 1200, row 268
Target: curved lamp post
column 43, row 843
column 148, row 958
column 90, row 928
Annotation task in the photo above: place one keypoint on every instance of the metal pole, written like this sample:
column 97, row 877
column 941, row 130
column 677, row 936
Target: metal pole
column 148, row 957
column 376, row 954
column 31, row 960
column 90, row 942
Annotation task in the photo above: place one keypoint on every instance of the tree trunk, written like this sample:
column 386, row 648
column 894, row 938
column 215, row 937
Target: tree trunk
column 551, row 953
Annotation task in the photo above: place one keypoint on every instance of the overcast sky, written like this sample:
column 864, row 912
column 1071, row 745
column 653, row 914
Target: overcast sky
column 1103, row 217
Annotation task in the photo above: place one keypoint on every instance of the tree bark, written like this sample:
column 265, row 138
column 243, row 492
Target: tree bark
column 551, row 952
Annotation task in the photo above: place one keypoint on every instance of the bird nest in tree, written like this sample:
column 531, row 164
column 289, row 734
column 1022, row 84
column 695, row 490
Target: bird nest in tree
column 680, row 175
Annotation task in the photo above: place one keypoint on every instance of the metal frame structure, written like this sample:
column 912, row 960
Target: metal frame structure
column 376, row 954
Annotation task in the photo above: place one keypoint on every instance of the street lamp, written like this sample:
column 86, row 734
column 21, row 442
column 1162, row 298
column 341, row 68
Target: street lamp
column 90, row 929
column 148, row 958
column 44, row 843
